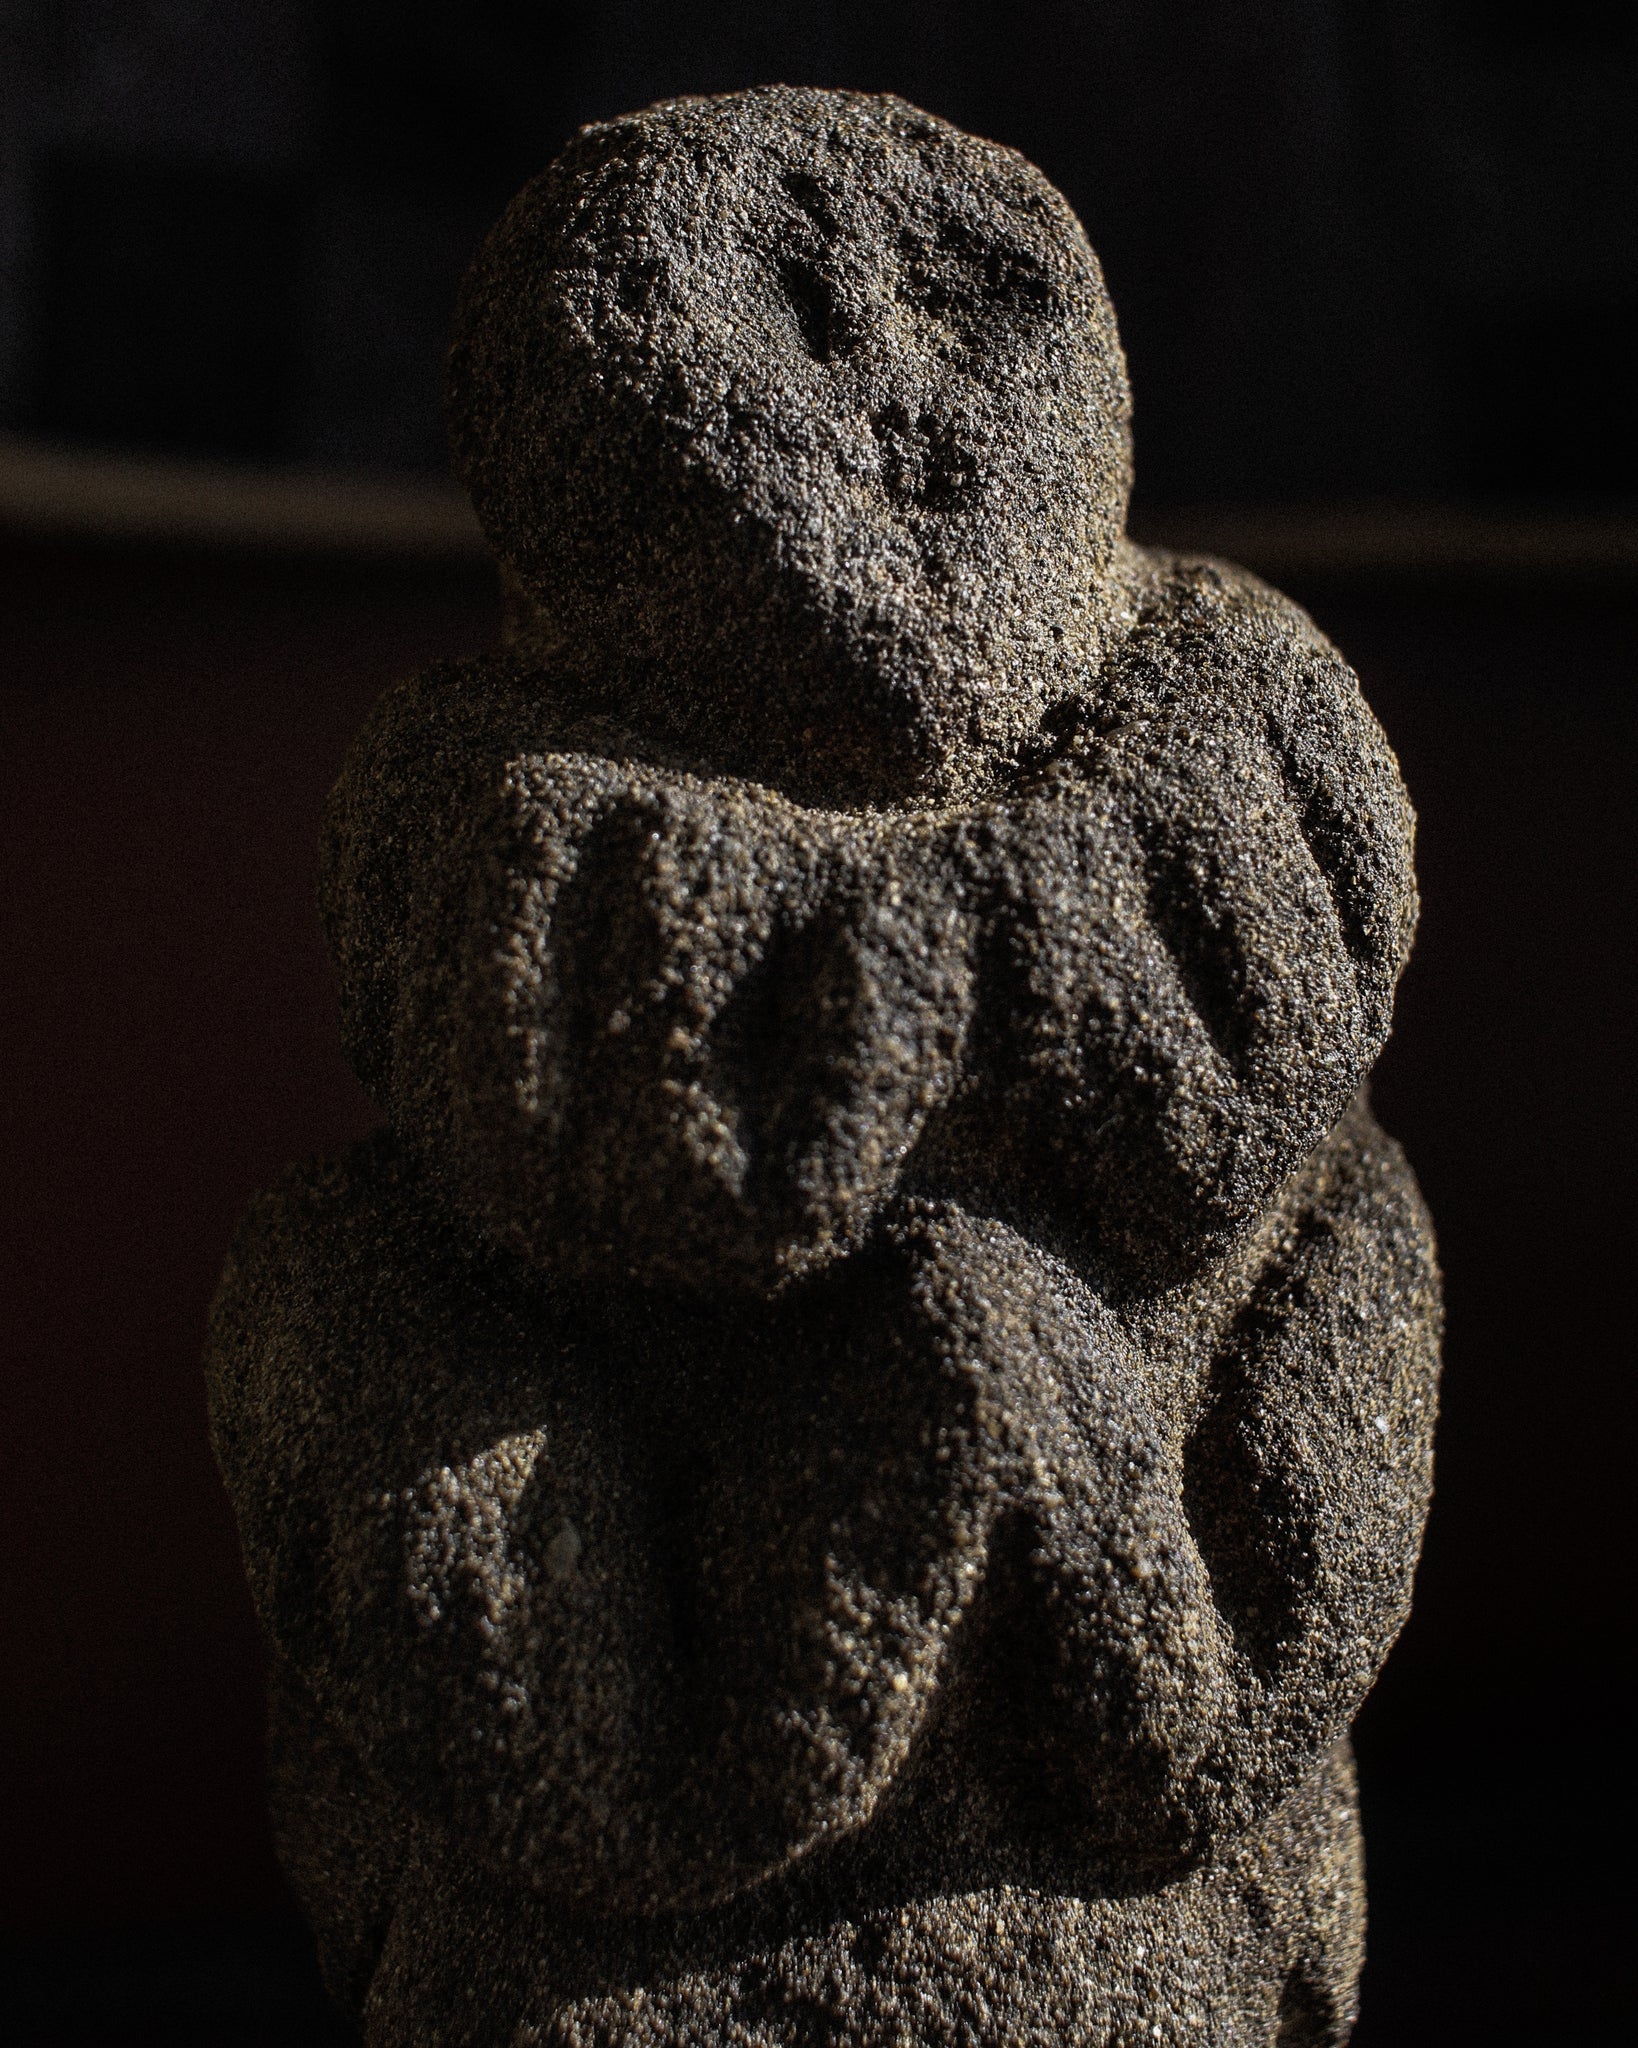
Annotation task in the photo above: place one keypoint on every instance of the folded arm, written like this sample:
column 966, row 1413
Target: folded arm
column 655, row 1026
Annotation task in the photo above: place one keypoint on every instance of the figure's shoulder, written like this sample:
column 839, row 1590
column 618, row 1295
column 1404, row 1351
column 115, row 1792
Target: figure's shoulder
column 1195, row 641
column 506, row 700
column 1167, row 591
column 1184, row 622
column 430, row 735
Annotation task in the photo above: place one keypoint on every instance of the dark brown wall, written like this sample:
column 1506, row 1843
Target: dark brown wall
column 168, row 733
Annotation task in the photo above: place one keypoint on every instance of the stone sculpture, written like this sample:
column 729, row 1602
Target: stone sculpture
column 840, row 1468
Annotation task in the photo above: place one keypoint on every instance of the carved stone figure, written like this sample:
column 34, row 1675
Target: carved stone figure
column 839, row 1469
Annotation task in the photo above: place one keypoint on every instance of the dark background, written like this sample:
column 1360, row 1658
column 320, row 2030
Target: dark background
column 1383, row 251
column 1357, row 246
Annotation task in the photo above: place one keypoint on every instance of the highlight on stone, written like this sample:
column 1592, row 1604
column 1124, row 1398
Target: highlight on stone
column 840, row 1467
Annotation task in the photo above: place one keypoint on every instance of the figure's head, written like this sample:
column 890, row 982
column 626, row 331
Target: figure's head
column 802, row 419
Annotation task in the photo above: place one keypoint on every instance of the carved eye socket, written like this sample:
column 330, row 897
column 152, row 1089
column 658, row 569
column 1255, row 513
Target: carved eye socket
column 827, row 317
column 816, row 198
column 966, row 279
column 829, row 327
column 832, row 265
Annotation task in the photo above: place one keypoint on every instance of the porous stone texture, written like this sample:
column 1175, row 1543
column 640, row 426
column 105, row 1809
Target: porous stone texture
column 840, row 1467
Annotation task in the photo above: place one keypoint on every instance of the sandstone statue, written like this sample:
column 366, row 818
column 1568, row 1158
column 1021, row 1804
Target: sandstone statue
column 839, row 1469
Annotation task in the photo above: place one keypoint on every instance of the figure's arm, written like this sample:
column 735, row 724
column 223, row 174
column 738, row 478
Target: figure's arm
column 1207, row 904
column 648, row 1025
column 639, row 1605
column 643, row 1025
column 1213, row 638
column 1232, row 1567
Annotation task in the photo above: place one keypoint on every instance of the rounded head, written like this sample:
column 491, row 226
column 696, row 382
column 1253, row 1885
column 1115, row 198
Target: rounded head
column 801, row 419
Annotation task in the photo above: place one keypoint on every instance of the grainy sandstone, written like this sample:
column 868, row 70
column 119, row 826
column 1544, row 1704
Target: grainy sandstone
column 840, row 1468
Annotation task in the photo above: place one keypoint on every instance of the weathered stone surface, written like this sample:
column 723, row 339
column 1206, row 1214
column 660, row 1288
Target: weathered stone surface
column 1161, row 960
column 842, row 1466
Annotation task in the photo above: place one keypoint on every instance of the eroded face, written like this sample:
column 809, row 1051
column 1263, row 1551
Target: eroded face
column 873, row 362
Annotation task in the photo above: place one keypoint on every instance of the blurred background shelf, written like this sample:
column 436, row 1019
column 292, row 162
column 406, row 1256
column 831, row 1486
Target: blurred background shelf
column 144, row 501
column 93, row 496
